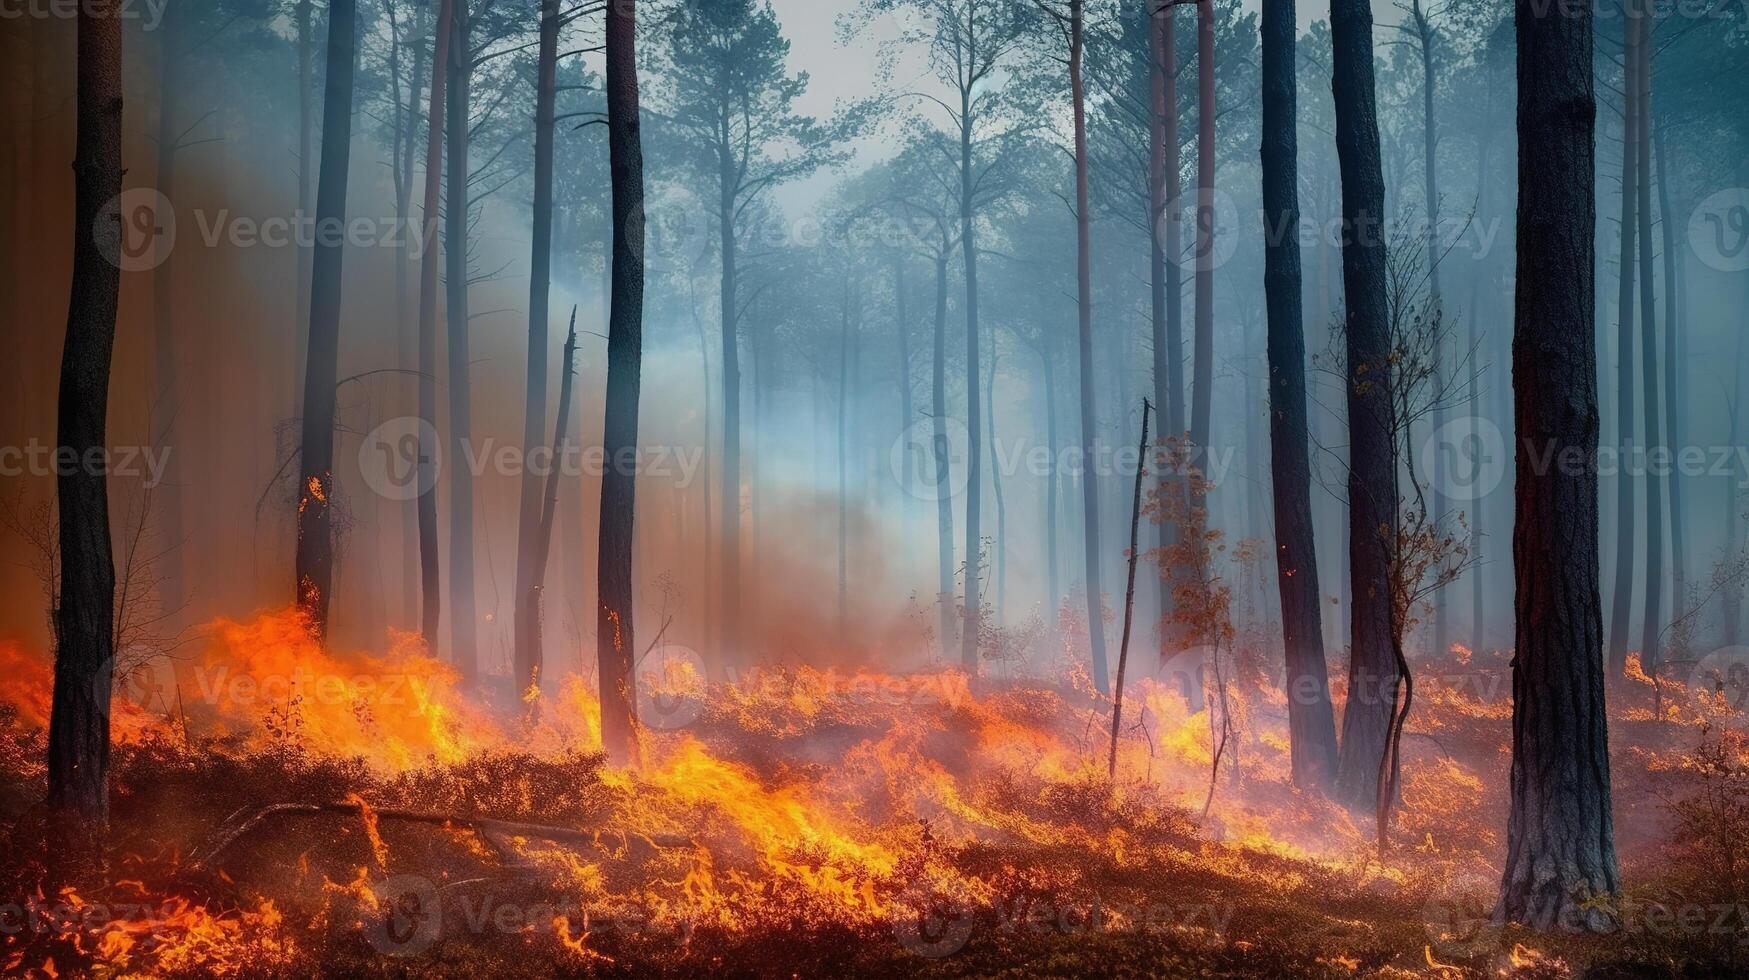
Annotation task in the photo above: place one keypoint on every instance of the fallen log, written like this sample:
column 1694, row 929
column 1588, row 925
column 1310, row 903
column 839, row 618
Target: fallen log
column 488, row 829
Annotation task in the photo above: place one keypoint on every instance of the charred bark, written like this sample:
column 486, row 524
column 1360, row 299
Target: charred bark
column 1372, row 476
column 84, row 614
column 1560, row 863
column 315, row 554
column 530, row 563
column 1311, row 720
column 1623, row 594
column 625, row 343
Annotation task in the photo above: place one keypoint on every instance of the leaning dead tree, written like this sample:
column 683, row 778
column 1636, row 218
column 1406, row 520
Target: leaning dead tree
column 528, row 601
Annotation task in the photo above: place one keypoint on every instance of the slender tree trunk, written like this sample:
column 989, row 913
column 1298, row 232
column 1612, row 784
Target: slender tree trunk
column 306, row 156
column 1652, row 622
column 529, row 572
column 973, row 612
column 1053, row 488
column 1560, row 858
column 1203, row 404
column 430, row 587
column 942, row 452
column 1674, row 372
column 1084, row 345
column 168, row 505
column 1372, row 475
column 843, row 441
column 463, row 624
column 625, row 342
column 1000, row 547
column 550, row 499
column 729, row 498
column 84, row 614
column 907, row 410
column 315, row 551
column 1478, row 516
column 407, row 338
column 1159, row 262
column 1622, row 605
column 1430, row 190
column 1311, row 720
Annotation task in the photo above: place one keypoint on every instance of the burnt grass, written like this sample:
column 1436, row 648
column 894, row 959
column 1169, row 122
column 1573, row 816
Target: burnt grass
column 1063, row 911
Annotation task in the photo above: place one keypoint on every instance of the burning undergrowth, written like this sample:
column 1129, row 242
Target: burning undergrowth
column 278, row 807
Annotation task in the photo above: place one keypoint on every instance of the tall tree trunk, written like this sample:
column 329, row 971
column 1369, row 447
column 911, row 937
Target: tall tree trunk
column 534, row 405
column 1311, row 720
column 907, row 410
column 1202, row 405
column 625, row 344
column 1560, row 839
column 942, row 453
column 1652, row 622
column 165, row 403
column 430, row 586
column 407, row 339
column 1159, row 261
column 1372, row 475
column 549, row 503
column 1000, row 546
column 306, row 154
column 1053, row 488
column 843, row 441
column 84, row 614
column 973, row 612
column 1478, row 515
column 729, row 498
column 1084, row 344
column 463, row 625
column 1426, row 36
column 315, row 560
column 1674, row 371
column 1622, row 603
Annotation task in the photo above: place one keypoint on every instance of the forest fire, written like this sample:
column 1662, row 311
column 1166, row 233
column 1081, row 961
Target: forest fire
column 874, row 488
column 361, row 808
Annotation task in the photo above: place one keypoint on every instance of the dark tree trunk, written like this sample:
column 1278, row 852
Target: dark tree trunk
column 1651, row 623
column 999, row 546
column 430, row 586
column 1478, row 516
column 168, row 505
column 463, row 627
column 1311, row 720
column 407, row 340
column 1159, row 263
column 529, row 608
column 1623, row 598
column 1084, row 344
column 306, row 153
column 1202, row 404
column 84, row 615
column 1372, row 475
column 942, row 454
column 625, row 343
column 315, row 561
column 973, row 612
column 529, row 570
column 1426, row 36
column 1673, row 373
column 1560, row 840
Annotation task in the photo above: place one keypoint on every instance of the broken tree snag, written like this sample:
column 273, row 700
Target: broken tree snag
column 246, row 822
column 1129, row 601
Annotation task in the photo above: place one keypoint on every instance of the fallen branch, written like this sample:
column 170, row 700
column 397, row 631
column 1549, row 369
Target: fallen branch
column 486, row 827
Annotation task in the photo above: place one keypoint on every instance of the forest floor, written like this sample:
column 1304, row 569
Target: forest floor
column 808, row 823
